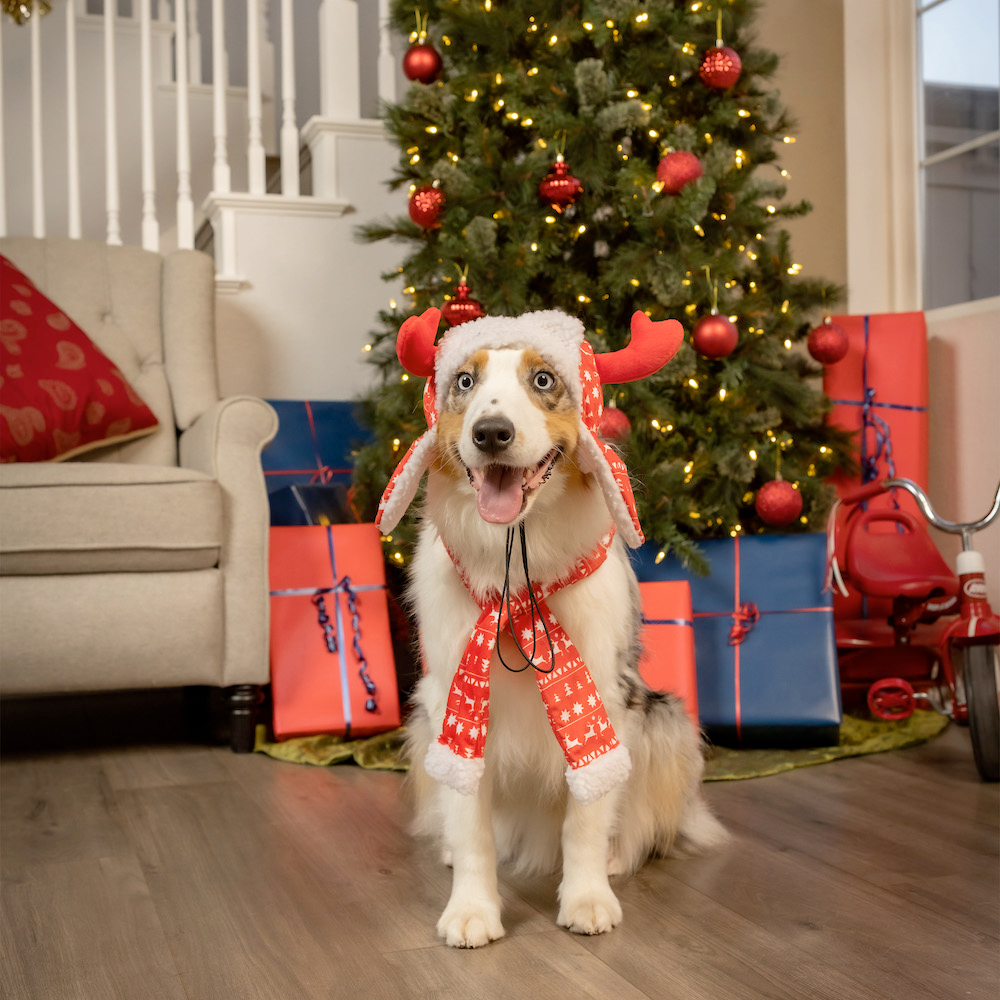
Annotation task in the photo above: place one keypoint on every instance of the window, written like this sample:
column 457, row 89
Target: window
column 959, row 70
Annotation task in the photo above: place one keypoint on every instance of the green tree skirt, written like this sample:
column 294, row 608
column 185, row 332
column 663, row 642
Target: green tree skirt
column 858, row 736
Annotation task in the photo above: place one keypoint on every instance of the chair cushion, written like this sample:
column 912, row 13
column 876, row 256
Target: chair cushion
column 61, row 395
column 103, row 517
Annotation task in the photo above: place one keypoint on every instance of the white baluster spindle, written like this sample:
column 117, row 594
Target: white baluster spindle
column 73, row 219
column 256, row 168
column 111, row 187
column 185, row 207
column 3, row 173
column 221, row 174
column 194, row 43
column 289, row 131
column 37, row 173
column 386, row 60
column 150, row 224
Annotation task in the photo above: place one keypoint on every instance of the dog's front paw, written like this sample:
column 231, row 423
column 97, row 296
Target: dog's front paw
column 590, row 913
column 470, row 924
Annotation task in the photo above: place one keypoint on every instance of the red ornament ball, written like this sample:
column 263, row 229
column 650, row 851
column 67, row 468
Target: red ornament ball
column 461, row 308
column 615, row 424
column 828, row 342
column 559, row 188
column 720, row 67
column 425, row 206
column 422, row 63
column 677, row 169
column 715, row 336
column 778, row 503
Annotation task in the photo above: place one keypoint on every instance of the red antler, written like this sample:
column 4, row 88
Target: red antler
column 415, row 343
column 651, row 347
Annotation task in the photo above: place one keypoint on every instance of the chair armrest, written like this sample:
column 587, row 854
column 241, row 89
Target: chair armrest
column 225, row 436
column 225, row 442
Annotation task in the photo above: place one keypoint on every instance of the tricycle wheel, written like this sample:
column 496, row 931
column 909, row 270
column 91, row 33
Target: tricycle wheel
column 891, row 699
column 981, row 667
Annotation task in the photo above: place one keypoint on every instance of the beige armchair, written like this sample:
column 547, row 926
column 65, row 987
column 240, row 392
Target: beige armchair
column 141, row 564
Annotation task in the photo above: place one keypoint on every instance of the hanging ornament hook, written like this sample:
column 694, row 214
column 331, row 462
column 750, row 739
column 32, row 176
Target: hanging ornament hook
column 713, row 285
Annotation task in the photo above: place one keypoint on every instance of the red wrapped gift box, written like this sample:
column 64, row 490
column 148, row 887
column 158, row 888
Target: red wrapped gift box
column 667, row 662
column 879, row 392
column 332, row 668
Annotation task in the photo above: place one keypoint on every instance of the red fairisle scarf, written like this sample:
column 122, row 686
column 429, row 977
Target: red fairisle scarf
column 596, row 760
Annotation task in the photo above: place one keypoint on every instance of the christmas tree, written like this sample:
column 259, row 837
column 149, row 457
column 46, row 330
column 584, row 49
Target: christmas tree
column 603, row 156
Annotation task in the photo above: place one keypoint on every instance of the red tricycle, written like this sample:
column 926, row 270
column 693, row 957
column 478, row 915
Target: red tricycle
column 938, row 645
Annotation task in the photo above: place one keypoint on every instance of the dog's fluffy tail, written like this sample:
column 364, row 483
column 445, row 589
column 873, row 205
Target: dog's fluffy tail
column 662, row 808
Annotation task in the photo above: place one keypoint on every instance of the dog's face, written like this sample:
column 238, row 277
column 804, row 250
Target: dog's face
column 507, row 420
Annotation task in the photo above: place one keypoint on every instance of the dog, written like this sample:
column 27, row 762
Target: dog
column 528, row 615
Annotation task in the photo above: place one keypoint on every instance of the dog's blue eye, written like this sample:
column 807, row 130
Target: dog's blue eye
column 464, row 381
column 544, row 380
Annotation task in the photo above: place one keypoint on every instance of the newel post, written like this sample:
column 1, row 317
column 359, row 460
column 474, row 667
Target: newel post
column 340, row 85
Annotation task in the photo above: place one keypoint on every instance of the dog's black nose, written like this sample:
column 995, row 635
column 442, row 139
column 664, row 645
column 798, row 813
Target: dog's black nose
column 492, row 434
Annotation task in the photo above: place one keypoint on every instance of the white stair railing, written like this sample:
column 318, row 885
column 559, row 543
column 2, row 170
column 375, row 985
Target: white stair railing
column 145, row 182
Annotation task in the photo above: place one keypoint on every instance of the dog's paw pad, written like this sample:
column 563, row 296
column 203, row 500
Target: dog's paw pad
column 595, row 915
column 470, row 926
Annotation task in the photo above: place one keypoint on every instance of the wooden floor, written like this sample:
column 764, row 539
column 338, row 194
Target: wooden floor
column 177, row 871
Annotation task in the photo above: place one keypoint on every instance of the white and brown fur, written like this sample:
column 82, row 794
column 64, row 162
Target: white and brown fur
column 522, row 813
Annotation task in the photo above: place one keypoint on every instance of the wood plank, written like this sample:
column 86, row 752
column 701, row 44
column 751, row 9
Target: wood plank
column 676, row 941
column 357, row 822
column 150, row 767
column 57, row 808
column 83, row 929
column 870, row 934
column 550, row 966
column 246, row 914
column 915, row 856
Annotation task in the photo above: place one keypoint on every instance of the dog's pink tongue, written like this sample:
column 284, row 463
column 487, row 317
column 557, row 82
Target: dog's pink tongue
column 500, row 495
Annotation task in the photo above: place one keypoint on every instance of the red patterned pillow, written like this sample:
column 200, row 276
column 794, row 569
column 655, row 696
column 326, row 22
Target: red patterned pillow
column 59, row 395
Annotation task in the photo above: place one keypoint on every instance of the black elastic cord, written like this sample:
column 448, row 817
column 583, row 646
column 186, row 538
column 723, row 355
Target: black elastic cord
column 536, row 611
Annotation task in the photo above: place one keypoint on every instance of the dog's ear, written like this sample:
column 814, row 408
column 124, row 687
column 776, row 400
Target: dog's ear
column 415, row 343
column 651, row 347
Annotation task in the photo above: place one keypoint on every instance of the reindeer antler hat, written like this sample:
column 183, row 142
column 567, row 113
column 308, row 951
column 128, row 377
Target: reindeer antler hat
column 560, row 339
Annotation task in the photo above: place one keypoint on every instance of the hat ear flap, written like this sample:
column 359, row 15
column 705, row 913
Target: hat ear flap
column 612, row 475
column 405, row 480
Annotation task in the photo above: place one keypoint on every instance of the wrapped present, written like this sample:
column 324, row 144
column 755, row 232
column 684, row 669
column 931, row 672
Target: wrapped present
column 312, row 447
column 667, row 662
column 764, row 646
column 879, row 392
column 332, row 666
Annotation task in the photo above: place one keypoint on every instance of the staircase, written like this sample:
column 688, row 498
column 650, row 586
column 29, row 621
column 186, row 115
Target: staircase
column 175, row 124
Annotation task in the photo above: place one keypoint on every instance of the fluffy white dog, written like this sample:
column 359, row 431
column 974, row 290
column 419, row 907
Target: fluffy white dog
column 533, row 739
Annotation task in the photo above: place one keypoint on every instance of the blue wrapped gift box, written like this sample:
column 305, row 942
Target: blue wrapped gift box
column 311, row 449
column 764, row 644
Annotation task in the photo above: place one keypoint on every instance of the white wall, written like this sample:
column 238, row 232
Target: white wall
column 964, row 348
column 297, row 330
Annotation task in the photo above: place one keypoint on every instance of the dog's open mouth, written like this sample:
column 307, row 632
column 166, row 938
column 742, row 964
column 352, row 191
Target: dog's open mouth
column 503, row 490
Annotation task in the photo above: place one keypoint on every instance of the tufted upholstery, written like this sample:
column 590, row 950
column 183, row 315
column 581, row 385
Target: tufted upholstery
column 142, row 564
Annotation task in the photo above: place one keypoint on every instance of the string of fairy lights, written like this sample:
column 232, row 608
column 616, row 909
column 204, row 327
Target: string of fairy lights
column 514, row 112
